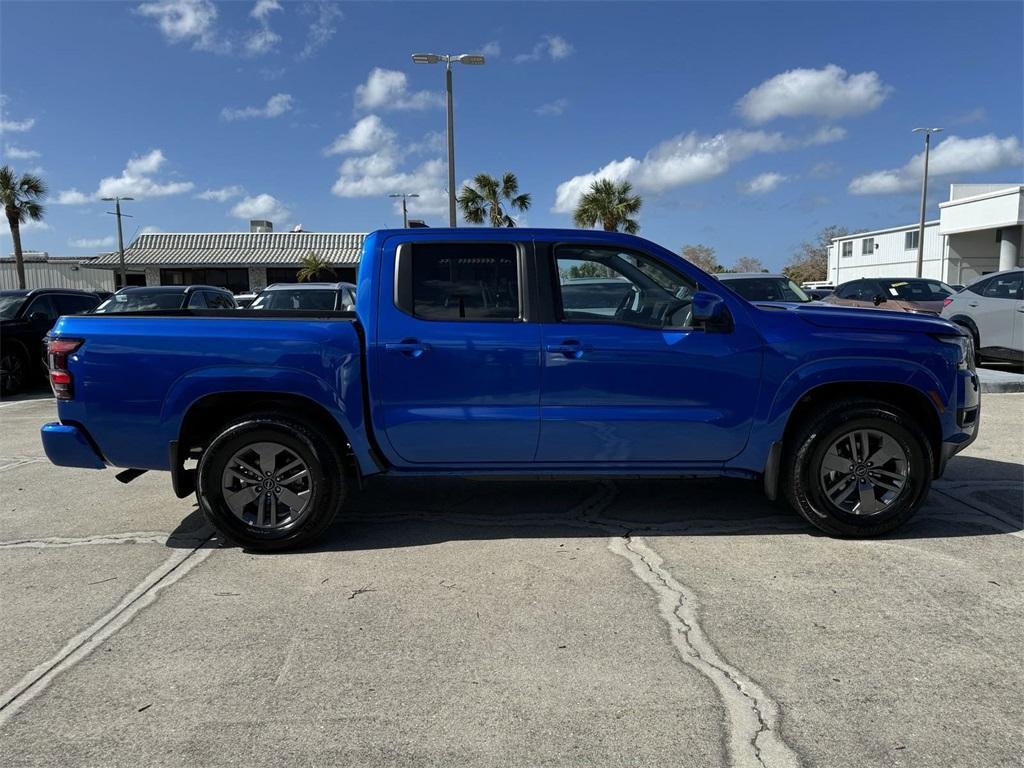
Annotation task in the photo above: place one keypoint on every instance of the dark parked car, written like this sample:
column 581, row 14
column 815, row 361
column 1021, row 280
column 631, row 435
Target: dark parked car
column 316, row 296
column 897, row 294
column 25, row 319
column 819, row 293
column 158, row 297
column 760, row 286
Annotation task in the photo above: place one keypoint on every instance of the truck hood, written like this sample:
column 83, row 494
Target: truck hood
column 870, row 320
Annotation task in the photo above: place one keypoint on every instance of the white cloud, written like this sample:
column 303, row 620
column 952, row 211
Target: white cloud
column 261, row 207
column 828, row 92
column 264, row 8
column 952, row 156
column 976, row 115
column 322, row 29
column 183, row 21
column 684, row 159
column 490, row 49
column 826, row 135
column 375, row 169
column 150, row 230
column 18, row 153
column 389, row 89
column 264, row 39
column 92, row 243
column 763, row 183
column 276, row 106
column 823, row 170
column 13, row 126
column 135, row 181
column 73, row 197
column 368, row 135
column 556, row 107
column 30, row 225
column 554, row 47
column 221, row 195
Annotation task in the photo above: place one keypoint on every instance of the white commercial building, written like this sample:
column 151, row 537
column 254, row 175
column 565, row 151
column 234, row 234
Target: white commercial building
column 978, row 231
column 45, row 271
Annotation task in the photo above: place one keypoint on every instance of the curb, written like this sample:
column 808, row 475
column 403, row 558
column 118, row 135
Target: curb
column 1001, row 387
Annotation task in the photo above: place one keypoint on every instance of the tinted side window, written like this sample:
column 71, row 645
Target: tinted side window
column 1003, row 287
column 43, row 304
column 71, row 305
column 867, row 290
column 219, row 301
column 847, row 290
column 465, row 281
column 197, row 301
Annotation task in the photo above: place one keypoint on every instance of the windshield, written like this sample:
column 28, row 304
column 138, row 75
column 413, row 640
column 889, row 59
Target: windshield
column 9, row 306
column 321, row 300
column 138, row 301
column 768, row 289
column 918, row 290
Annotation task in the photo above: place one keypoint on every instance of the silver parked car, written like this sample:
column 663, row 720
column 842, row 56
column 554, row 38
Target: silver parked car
column 992, row 310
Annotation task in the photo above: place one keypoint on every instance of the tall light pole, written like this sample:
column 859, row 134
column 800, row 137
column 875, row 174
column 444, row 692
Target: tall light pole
column 120, row 236
column 924, row 195
column 449, row 59
column 405, row 211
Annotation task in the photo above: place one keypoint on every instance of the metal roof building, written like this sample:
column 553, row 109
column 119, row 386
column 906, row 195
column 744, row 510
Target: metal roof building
column 240, row 261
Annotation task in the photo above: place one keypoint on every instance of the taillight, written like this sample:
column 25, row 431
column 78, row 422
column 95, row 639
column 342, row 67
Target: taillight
column 61, row 381
column 947, row 301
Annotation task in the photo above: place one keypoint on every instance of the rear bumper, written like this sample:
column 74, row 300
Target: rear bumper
column 69, row 446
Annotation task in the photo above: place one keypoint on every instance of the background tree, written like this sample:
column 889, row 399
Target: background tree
column 22, row 199
column 313, row 267
column 610, row 203
column 703, row 256
column 486, row 197
column 748, row 264
column 810, row 262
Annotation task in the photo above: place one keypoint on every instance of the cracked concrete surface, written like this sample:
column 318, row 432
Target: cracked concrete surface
column 554, row 623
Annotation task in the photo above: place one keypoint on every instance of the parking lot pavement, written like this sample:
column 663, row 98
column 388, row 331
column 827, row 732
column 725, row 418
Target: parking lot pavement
column 544, row 623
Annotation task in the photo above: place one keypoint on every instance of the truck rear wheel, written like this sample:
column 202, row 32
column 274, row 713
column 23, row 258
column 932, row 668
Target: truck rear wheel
column 269, row 484
column 860, row 468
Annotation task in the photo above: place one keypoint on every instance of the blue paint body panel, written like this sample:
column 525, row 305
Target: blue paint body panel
column 491, row 397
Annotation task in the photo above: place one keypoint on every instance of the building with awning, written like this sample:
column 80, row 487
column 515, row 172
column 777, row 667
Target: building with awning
column 238, row 261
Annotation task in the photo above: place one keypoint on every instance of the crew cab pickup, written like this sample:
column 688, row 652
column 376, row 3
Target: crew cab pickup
column 461, row 358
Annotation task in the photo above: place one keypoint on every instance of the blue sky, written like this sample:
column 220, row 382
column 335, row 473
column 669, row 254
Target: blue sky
column 747, row 127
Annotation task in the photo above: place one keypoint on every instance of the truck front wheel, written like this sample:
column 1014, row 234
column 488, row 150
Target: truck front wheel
column 268, row 484
column 859, row 468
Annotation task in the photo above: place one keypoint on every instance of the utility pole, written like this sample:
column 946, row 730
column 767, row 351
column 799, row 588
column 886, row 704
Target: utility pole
column 120, row 234
column 405, row 210
column 924, row 197
column 449, row 59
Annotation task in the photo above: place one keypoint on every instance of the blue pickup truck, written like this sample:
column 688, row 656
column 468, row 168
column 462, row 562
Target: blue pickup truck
column 461, row 358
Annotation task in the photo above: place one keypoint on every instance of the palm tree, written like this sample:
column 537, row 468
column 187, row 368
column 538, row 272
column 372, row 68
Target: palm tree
column 313, row 267
column 21, row 199
column 610, row 203
column 484, row 197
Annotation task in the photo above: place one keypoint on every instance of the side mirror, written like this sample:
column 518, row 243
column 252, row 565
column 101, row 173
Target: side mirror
column 879, row 299
column 710, row 310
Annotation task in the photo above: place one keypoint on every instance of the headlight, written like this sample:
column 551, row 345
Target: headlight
column 965, row 345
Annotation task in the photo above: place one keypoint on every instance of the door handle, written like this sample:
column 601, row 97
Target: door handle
column 570, row 348
column 972, row 303
column 408, row 347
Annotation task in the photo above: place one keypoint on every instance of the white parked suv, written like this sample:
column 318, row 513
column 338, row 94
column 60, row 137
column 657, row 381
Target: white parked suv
column 992, row 309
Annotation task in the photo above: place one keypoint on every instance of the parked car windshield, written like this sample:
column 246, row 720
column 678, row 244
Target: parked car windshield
column 296, row 299
column 138, row 301
column 768, row 289
column 918, row 290
column 9, row 306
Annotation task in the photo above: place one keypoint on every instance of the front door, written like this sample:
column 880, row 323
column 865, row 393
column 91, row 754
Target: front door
column 628, row 376
column 457, row 364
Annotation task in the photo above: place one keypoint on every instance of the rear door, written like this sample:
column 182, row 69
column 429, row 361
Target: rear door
column 457, row 364
column 633, row 380
column 995, row 310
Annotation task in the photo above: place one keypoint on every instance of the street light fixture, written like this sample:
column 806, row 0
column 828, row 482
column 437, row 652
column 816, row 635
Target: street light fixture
column 120, row 236
column 471, row 59
column 405, row 211
column 924, row 195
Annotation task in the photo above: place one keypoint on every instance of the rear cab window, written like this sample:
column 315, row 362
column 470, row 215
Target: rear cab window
column 460, row 282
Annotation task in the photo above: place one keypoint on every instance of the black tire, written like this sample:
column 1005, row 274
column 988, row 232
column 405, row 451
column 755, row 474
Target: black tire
column 326, row 483
column 802, row 480
column 15, row 374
